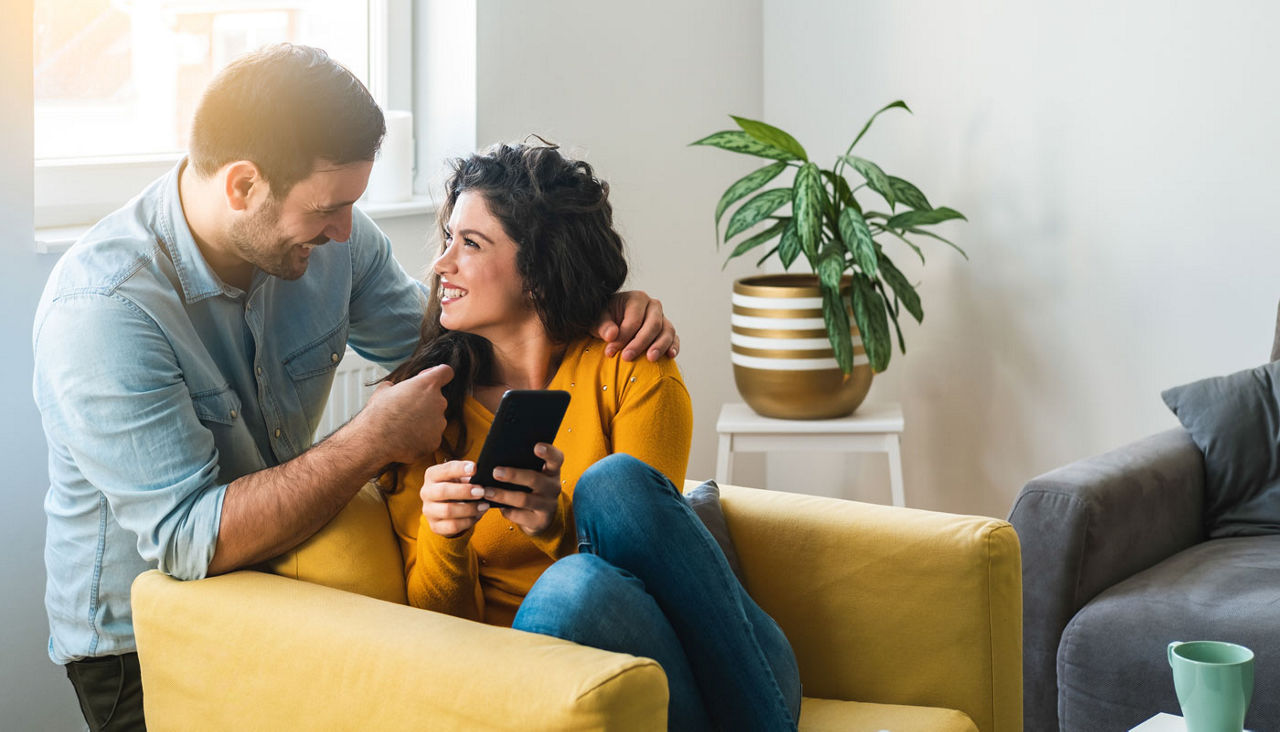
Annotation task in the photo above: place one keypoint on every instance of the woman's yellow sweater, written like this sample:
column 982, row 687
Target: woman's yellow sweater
column 638, row 408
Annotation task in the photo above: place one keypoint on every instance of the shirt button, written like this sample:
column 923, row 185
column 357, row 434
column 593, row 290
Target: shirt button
column 605, row 388
column 233, row 414
column 248, row 307
column 259, row 370
column 333, row 357
column 277, row 432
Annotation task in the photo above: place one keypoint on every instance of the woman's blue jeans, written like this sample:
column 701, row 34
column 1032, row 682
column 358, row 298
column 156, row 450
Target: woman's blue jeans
column 649, row 580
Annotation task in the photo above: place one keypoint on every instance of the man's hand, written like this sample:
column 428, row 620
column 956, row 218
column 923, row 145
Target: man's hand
column 634, row 324
column 404, row 421
column 273, row 510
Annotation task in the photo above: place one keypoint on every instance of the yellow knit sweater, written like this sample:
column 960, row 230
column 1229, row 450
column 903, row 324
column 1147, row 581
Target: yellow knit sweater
column 638, row 408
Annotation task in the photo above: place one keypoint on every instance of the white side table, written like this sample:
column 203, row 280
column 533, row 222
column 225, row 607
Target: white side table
column 873, row 428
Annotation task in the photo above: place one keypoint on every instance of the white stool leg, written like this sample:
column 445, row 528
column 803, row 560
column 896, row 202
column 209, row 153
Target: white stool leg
column 724, row 458
column 894, row 450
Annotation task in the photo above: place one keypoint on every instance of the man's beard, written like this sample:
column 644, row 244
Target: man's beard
column 257, row 241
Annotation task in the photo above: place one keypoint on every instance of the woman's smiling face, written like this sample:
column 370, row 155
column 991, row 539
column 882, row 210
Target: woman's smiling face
column 481, row 290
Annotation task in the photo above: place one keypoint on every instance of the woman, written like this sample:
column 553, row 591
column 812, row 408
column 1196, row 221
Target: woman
column 602, row 550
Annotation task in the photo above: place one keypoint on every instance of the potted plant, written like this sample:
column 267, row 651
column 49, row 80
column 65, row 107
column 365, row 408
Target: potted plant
column 811, row 352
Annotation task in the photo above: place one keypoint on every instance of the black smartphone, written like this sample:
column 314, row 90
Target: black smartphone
column 524, row 418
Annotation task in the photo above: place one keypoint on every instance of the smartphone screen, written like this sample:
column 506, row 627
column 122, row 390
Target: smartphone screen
column 524, row 418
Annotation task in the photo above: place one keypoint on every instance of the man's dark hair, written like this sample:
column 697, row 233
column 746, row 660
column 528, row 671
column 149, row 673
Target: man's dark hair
column 568, row 254
column 284, row 107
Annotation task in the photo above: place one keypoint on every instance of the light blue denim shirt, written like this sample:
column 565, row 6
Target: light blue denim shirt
column 159, row 384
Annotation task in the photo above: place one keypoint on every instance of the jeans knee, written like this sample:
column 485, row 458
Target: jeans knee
column 614, row 484
column 569, row 595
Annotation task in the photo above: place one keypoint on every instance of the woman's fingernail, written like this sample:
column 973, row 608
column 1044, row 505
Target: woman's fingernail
column 482, row 507
column 477, row 492
column 610, row 349
column 469, row 468
column 539, row 450
column 488, row 493
column 499, row 473
column 654, row 354
column 628, row 354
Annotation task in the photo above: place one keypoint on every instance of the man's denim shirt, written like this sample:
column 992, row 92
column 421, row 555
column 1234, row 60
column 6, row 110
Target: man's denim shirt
column 159, row 384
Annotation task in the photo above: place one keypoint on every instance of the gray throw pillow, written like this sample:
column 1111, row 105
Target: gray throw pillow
column 704, row 499
column 1235, row 421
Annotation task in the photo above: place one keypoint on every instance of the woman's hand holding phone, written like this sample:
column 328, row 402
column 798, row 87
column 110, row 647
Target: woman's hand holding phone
column 449, row 503
column 452, row 506
column 533, row 511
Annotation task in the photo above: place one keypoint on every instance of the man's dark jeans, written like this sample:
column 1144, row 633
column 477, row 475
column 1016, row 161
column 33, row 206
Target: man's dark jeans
column 110, row 692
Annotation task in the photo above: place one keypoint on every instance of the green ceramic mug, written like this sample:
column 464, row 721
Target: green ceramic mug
column 1214, row 681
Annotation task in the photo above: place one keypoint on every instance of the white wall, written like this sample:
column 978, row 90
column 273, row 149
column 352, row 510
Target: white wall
column 627, row 87
column 34, row 693
column 1117, row 163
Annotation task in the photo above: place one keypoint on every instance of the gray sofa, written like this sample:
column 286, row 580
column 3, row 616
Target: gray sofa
column 1115, row 565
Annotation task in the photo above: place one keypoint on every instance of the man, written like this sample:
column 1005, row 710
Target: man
column 182, row 359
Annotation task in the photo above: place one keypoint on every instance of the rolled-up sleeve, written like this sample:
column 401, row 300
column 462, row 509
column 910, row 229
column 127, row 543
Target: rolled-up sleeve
column 114, row 400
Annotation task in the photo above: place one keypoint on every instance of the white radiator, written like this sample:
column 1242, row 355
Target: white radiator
column 349, row 392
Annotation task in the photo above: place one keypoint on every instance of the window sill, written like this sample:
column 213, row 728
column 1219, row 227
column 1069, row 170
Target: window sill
column 56, row 240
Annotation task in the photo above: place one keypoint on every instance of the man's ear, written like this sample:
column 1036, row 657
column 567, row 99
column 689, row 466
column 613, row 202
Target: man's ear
column 243, row 182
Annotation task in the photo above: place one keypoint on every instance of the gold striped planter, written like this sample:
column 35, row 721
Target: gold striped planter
column 782, row 361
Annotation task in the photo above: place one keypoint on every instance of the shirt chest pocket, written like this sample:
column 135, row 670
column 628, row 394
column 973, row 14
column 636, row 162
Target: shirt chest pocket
column 311, row 369
column 217, row 407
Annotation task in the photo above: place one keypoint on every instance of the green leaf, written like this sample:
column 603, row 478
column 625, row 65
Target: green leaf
column 876, row 178
column 806, row 206
column 893, row 318
column 754, row 211
column 831, row 267
column 740, row 142
column 902, row 289
column 911, row 219
column 908, row 195
column 772, row 136
column 747, row 184
column 756, row 240
column 946, row 241
column 869, row 313
column 841, row 186
column 836, row 314
column 891, row 105
column 789, row 245
column 857, row 239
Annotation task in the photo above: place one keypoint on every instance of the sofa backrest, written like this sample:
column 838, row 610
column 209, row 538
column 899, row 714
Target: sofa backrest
column 357, row 552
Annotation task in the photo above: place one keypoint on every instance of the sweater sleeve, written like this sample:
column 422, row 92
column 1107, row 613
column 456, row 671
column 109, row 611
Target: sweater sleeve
column 441, row 574
column 445, row 575
column 654, row 422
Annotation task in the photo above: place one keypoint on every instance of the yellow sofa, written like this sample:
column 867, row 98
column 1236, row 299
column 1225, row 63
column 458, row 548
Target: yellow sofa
column 900, row 619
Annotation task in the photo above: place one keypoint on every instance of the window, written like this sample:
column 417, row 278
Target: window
column 117, row 81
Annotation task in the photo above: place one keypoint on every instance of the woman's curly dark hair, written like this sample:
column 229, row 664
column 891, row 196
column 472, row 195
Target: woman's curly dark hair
column 568, row 254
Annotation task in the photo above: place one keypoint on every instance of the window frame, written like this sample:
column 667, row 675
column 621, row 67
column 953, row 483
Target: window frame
column 72, row 193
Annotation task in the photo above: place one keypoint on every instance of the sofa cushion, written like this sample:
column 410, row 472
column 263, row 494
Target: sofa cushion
column 1235, row 421
column 704, row 499
column 1113, row 672
column 356, row 551
column 834, row 715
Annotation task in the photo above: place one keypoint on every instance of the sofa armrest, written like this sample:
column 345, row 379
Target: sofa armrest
column 1091, row 524
column 250, row 651
column 888, row 605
